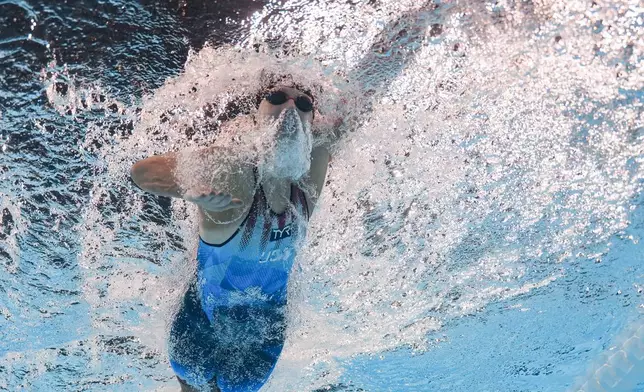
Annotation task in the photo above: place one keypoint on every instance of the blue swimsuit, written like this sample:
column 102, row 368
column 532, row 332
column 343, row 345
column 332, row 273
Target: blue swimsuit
column 230, row 328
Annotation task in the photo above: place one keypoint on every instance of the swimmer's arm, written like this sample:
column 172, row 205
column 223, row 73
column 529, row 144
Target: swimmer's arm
column 320, row 158
column 156, row 175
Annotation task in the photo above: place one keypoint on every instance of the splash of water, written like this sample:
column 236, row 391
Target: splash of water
column 501, row 145
column 487, row 147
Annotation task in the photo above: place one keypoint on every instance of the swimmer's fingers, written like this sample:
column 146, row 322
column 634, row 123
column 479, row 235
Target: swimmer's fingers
column 213, row 200
column 208, row 196
column 219, row 200
column 194, row 195
column 222, row 203
column 237, row 202
column 202, row 194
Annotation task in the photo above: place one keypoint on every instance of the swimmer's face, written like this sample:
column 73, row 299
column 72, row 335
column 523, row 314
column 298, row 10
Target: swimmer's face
column 287, row 115
column 271, row 111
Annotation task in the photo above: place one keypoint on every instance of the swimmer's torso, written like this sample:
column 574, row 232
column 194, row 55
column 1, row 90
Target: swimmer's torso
column 252, row 266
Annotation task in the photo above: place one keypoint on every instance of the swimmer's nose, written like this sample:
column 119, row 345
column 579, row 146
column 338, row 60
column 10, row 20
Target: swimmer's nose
column 289, row 104
column 290, row 108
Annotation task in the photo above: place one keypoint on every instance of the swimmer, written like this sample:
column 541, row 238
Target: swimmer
column 229, row 331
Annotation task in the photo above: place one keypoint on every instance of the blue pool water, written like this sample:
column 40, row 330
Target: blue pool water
column 537, row 342
column 481, row 229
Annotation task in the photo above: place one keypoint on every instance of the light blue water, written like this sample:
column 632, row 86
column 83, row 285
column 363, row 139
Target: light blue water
column 535, row 342
column 482, row 226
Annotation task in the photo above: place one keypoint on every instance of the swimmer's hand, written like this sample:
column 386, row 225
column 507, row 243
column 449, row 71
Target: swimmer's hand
column 211, row 200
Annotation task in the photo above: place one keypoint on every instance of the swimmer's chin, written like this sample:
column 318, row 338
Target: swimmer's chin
column 287, row 164
column 290, row 174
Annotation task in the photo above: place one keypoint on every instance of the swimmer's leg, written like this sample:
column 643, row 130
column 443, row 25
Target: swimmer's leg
column 192, row 346
column 254, row 344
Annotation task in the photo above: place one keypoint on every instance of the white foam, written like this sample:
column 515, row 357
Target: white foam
column 501, row 143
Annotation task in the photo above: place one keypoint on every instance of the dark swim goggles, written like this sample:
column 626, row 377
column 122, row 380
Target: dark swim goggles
column 302, row 102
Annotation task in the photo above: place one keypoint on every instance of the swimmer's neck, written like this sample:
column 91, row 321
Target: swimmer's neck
column 277, row 192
